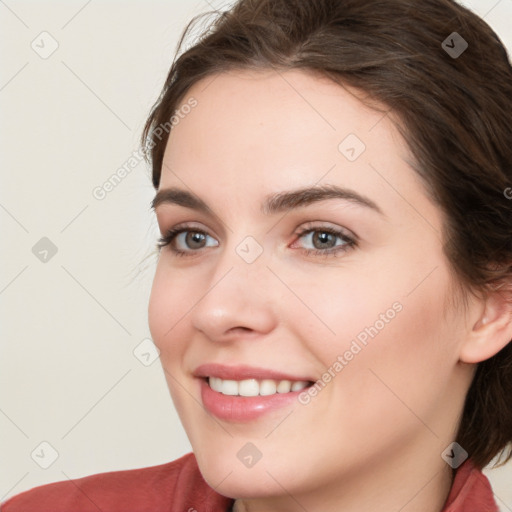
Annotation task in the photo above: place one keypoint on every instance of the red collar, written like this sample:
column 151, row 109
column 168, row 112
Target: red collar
column 470, row 492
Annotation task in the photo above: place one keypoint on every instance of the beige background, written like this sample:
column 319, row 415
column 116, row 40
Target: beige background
column 69, row 376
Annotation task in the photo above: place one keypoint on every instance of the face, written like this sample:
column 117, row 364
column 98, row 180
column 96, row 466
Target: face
column 345, row 286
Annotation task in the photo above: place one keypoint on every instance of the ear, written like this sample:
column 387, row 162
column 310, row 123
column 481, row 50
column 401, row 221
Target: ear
column 492, row 329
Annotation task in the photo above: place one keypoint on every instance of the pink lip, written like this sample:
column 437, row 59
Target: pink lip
column 242, row 372
column 242, row 409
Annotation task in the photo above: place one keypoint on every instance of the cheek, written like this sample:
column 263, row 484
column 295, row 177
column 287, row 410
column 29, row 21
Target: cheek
column 167, row 308
column 392, row 337
column 158, row 306
column 342, row 307
column 167, row 324
column 404, row 368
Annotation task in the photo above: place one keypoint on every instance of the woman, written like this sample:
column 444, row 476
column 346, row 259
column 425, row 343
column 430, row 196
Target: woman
column 333, row 297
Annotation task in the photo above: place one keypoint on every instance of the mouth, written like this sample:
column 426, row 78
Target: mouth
column 245, row 393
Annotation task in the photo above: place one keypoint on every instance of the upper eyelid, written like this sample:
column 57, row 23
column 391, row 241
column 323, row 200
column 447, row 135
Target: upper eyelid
column 305, row 229
column 308, row 225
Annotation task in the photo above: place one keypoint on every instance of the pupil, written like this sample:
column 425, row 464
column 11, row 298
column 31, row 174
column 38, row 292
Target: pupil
column 196, row 237
column 324, row 237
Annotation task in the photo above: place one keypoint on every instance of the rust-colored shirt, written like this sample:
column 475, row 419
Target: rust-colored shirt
column 179, row 487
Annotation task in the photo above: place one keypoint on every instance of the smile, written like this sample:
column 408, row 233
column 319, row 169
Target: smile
column 255, row 387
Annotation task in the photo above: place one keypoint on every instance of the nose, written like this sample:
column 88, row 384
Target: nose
column 239, row 299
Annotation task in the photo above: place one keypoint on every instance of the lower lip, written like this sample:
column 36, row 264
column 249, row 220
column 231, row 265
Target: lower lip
column 243, row 408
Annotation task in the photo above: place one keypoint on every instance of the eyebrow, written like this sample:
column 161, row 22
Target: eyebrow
column 273, row 203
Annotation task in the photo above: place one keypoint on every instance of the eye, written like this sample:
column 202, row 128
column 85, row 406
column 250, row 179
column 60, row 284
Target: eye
column 324, row 238
column 193, row 238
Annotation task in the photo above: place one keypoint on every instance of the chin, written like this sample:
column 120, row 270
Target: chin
column 229, row 477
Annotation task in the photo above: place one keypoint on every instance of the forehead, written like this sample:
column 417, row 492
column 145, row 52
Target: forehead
column 257, row 132
column 292, row 103
column 276, row 114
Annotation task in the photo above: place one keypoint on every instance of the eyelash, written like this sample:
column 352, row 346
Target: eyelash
column 171, row 234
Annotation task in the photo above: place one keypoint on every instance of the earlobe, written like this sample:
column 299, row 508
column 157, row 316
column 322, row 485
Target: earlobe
column 492, row 331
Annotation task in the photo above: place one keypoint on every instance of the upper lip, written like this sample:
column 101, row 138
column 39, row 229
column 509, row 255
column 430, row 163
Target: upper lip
column 243, row 372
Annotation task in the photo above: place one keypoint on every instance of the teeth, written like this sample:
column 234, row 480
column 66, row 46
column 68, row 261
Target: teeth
column 249, row 387
column 284, row 386
column 268, row 387
column 298, row 385
column 254, row 387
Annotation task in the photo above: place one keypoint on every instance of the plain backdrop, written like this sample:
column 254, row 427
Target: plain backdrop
column 77, row 391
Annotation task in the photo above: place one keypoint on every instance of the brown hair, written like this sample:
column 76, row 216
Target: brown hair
column 454, row 112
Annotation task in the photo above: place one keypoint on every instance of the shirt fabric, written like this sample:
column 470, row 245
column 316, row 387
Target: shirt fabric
column 178, row 486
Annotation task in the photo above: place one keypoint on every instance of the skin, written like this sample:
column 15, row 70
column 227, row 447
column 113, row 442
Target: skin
column 393, row 409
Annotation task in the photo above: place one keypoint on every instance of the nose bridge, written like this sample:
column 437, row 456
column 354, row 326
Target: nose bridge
column 246, row 252
column 239, row 291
